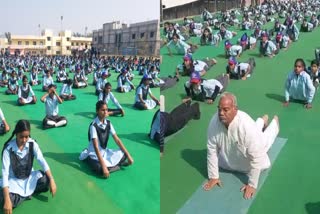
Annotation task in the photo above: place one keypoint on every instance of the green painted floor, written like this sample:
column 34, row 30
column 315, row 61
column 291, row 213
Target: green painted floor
column 291, row 186
column 135, row 189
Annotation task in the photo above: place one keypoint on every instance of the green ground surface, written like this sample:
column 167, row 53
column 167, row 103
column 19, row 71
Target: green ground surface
column 135, row 189
column 291, row 184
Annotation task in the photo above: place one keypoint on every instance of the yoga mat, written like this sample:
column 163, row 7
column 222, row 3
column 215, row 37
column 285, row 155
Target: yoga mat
column 228, row 199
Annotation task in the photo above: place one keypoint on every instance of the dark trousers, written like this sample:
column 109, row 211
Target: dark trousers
column 42, row 186
column 224, row 80
column 168, row 83
column 52, row 118
column 97, row 168
column 179, row 117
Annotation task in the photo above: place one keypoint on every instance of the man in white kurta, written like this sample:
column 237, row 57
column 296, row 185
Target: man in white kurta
column 238, row 143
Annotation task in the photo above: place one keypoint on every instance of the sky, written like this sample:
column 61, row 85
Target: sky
column 23, row 17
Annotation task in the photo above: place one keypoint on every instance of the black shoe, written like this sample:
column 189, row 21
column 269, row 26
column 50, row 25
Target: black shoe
column 196, row 110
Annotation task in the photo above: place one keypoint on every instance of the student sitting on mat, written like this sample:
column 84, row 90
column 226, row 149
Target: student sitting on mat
column 79, row 79
column 100, row 158
column 4, row 78
column 165, row 124
column 242, row 70
column 189, row 65
column 101, row 82
column 13, row 84
column 25, row 93
column 205, row 90
column 66, row 91
column 238, row 143
column 62, row 75
column 299, row 85
column 34, row 77
column 282, row 41
column 107, row 95
column 47, row 80
column 124, row 84
column 141, row 98
column 4, row 127
column 19, row 180
column 51, row 100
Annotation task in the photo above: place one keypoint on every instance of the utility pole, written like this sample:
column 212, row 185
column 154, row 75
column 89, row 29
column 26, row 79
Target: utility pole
column 61, row 18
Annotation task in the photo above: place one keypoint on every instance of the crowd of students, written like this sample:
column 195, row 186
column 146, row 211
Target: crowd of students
column 19, row 74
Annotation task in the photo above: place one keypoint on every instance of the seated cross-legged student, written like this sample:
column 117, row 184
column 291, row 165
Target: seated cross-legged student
column 13, row 84
column 101, row 82
column 47, row 80
column 25, row 93
column 314, row 72
column 205, row 90
column 19, row 180
column 4, row 127
column 79, row 79
column 141, row 99
column 267, row 47
column 4, row 79
column 100, row 158
column 107, row 95
column 124, row 84
column 51, row 100
column 34, row 77
column 66, row 91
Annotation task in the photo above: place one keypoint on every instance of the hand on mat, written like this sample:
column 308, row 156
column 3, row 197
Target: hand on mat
column 211, row 183
column 248, row 191
column 186, row 100
column 7, row 207
column 286, row 104
column 244, row 78
column 53, row 187
column 308, row 106
column 106, row 172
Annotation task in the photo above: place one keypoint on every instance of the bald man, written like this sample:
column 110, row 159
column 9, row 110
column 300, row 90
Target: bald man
column 238, row 143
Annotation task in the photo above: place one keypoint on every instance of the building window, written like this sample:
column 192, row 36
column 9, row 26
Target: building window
column 77, row 44
column 58, row 52
column 34, row 43
column 100, row 40
column 48, row 38
column 72, row 43
column 68, row 39
column 58, row 43
column 48, row 48
column 141, row 35
column 151, row 34
column 19, row 43
column 27, row 42
column 68, row 48
column 95, row 39
column 41, row 43
column 81, row 44
column 133, row 36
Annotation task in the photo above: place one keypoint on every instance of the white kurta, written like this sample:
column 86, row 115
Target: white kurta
column 242, row 147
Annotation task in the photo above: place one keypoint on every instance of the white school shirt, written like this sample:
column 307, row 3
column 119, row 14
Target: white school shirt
column 94, row 135
column 100, row 84
column 243, row 67
column 47, row 81
column 52, row 108
column 208, row 87
column 2, row 118
column 180, row 47
column 24, row 89
column 111, row 97
column 139, row 91
column 235, row 50
column 23, row 187
column 198, row 66
column 238, row 148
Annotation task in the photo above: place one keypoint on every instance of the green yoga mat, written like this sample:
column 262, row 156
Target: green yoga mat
column 228, row 199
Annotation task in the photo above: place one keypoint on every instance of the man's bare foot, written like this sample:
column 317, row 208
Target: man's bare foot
column 265, row 119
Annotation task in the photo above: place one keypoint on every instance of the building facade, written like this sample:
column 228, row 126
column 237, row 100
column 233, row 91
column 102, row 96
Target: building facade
column 116, row 38
column 47, row 43
column 176, row 9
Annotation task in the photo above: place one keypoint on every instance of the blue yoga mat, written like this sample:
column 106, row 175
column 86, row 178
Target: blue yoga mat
column 228, row 199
